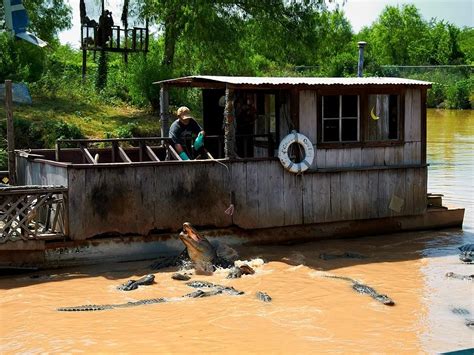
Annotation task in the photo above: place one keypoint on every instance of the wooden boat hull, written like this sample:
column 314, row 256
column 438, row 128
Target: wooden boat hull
column 44, row 254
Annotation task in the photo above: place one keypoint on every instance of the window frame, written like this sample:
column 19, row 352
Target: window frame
column 364, row 112
column 340, row 118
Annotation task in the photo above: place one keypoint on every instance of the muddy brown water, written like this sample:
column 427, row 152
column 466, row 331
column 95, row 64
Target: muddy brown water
column 308, row 314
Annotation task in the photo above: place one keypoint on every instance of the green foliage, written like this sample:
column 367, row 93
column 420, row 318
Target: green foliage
column 41, row 134
column 101, row 78
column 143, row 71
column 3, row 159
column 400, row 36
column 19, row 60
column 125, row 131
column 466, row 44
column 435, row 95
column 457, row 95
column 53, row 130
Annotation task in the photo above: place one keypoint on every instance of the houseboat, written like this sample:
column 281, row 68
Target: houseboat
column 287, row 160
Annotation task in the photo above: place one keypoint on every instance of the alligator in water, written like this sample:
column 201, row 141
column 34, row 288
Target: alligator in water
column 263, row 296
column 345, row 255
column 467, row 253
column 238, row 271
column 180, row 277
column 453, row 275
column 205, row 284
column 213, row 289
column 199, row 251
column 103, row 307
column 361, row 288
column 133, row 284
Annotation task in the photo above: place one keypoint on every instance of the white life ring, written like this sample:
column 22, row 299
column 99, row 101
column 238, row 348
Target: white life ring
column 295, row 137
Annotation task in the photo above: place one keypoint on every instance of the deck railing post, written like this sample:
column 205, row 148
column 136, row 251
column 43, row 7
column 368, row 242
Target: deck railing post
column 10, row 131
column 164, row 108
column 229, row 129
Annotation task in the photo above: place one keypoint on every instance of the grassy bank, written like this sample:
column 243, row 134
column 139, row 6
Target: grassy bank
column 47, row 119
column 94, row 121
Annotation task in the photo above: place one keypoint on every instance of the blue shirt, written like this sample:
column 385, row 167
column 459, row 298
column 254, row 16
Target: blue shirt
column 178, row 130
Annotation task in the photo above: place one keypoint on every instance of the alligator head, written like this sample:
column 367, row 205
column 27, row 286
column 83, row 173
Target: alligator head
column 200, row 251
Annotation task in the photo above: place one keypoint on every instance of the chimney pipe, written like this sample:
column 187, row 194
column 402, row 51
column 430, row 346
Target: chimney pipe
column 360, row 65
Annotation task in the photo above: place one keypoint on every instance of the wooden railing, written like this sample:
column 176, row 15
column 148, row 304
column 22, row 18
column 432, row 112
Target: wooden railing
column 118, row 39
column 118, row 153
column 33, row 213
column 214, row 148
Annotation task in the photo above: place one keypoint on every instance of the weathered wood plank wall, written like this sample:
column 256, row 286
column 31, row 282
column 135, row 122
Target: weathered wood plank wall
column 409, row 153
column 289, row 199
column 140, row 199
column 34, row 173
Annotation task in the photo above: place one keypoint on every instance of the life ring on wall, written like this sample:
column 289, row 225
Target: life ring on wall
column 302, row 140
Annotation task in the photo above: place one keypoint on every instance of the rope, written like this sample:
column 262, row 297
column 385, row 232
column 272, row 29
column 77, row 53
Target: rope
column 229, row 210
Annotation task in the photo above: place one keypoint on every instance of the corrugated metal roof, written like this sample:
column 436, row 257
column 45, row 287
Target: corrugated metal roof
column 277, row 81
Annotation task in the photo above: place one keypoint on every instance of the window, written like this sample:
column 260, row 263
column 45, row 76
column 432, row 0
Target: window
column 340, row 118
column 383, row 117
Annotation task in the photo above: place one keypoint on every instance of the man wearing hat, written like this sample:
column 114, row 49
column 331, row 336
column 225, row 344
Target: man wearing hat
column 185, row 125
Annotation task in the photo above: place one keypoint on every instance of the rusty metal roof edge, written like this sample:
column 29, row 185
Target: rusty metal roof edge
column 316, row 81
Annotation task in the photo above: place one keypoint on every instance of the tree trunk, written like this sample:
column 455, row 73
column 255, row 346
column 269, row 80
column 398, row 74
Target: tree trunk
column 172, row 33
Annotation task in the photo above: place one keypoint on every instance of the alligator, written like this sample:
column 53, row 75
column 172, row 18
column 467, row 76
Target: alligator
column 361, row 288
column 263, row 296
column 453, row 275
column 180, row 277
column 214, row 289
column 345, row 255
column 467, row 253
column 238, row 271
column 201, row 293
column 205, row 284
column 199, row 252
column 103, row 307
column 133, row 284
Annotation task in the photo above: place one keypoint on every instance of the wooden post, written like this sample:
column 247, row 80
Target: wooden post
column 147, row 36
column 84, row 64
column 164, row 108
column 229, row 128
column 58, row 150
column 10, row 132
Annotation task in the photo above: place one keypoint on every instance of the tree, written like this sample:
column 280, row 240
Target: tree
column 466, row 43
column 207, row 21
column 400, row 37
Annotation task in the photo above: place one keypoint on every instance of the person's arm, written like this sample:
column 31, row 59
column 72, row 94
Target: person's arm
column 179, row 149
column 196, row 129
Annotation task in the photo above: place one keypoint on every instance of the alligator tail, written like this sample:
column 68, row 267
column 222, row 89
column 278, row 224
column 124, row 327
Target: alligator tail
column 86, row 308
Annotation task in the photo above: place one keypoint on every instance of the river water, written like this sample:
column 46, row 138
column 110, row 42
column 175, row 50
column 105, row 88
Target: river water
column 309, row 313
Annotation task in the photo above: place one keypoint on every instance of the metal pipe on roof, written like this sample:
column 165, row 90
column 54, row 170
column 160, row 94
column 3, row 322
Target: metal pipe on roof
column 360, row 65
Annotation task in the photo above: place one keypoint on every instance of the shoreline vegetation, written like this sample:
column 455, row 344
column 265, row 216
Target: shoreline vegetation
column 119, row 100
